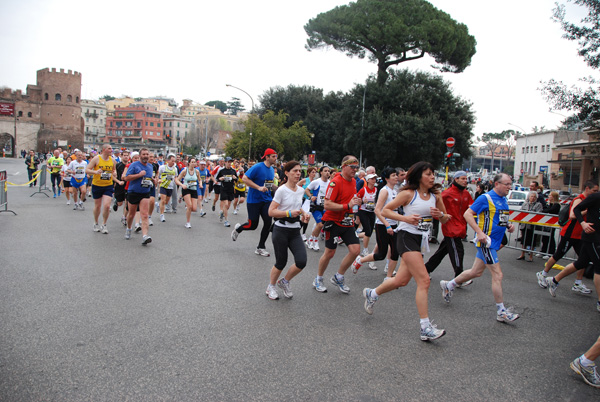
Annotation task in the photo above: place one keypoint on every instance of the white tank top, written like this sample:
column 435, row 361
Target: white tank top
column 391, row 194
column 419, row 206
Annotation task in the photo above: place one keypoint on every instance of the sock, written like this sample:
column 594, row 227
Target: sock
column 358, row 260
column 339, row 277
column 500, row 307
column 374, row 294
column 577, row 281
column 366, row 250
column 554, row 280
column 544, row 273
column 451, row 285
column 585, row 361
column 320, row 278
column 424, row 322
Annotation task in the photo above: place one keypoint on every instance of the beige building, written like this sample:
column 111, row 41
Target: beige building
column 111, row 105
column 93, row 114
column 176, row 131
column 191, row 109
column 575, row 159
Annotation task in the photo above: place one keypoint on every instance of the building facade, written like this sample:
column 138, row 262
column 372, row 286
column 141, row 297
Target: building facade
column 136, row 124
column 93, row 114
column 533, row 153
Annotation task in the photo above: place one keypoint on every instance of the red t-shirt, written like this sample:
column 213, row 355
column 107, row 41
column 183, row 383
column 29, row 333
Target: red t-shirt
column 340, row 191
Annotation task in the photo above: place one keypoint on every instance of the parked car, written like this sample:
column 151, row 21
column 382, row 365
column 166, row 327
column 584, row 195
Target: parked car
column 516, row 198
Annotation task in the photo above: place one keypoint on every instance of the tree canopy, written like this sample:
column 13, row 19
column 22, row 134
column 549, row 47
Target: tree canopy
column 585, row 102
column 392, row 32
column 234, row 106
column 222, row 106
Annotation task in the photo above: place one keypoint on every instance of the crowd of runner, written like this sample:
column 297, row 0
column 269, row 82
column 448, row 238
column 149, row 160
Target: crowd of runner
column 346, row 207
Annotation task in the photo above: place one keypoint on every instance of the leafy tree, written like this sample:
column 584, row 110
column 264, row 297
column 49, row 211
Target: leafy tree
column 269, row 131
column 493, row 141
column 138, row 99
column 234, row 106
column 222, row 106
column 392, row 32
column 108, row 97
column 585, row 102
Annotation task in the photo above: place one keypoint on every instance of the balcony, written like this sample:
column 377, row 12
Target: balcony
column 93, row 115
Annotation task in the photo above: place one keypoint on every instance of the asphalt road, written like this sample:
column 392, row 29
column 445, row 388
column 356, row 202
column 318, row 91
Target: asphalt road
column 86, row 316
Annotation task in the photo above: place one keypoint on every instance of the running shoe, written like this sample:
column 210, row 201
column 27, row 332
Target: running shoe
column 124, row 221
column 162, row 218
column 589, row 374
column 235, row 211
column 364, row 252
column 81, row 207
column 581, row 288
column 541, row 279
column 272, row 292
column 303, row 237
column 59, row 192
column 150, row 223
column 146, row 239
column 598, row 306
column 506, row 315
column 431, row 332
column 467, row 283
column 76, row 207
column 127, row 234
column 369, row 301
column 115, row 205
column 157, row 205
column 202, row 213
column 54, row 195
column 356, row 264
column 315, row 246
column 235, row 233
column 138, row 228
column 318, row 285
column 309, row 244
column 446, row 292
column 372, row 265
column 551, row 286
column 188, row 225
column 387, row 263
column 340, row 284
column 226, row 224
column 96, row 227
column 221, row 215
column 104, row 229
column 68, row 202
column 213, row 208
column 285, row 286
column 262, row 252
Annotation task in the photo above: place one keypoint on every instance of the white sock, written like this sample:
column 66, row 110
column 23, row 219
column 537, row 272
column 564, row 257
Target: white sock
column 577, row 281
column 500, row 307
column 320, row 278
column 358, row 260
column 424, row 322
column 339, row 277
column 585, row 361
column 451, row 285
column 374, row 294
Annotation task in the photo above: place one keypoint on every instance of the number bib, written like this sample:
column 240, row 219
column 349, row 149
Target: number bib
column 147, row 182
column 503, row 217
column 268, row 184
column 425, row 224
column 105, row 175
column 348, row 219
column 370, row 206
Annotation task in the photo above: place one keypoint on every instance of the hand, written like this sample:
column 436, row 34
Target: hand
column 263, row 189
column 482, row 238
column 390, row 231
column 296, row 213
column 183, row 186
column 511, row 228
column 587, row 227
column 412, row 219
column 435, row 213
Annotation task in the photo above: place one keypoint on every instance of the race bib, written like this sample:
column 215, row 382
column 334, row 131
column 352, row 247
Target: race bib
column 503, row 217
column 269, row 184
column 370, row 206
column 106, row 175
column 147, row 182
column 425, row 224
column 348, row 220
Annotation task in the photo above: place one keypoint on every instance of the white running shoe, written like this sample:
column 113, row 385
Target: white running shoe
column 127, row 234
column 162, row 218
column 285, row 286
column 303, row 237
column 581, row 288
column 124, row 221
column 188, row 225
column 68, row 202
column 104, row 229
column 309, row 244
column 356, row 264
column 272, row 292
column 262, row 252
column 541, row 279
column 318, row 285
column 235, row 211
column 150, row 223
column 315, row 246
column 372, row 265
column 235, row 233
column 96, row 227
column 146, row 239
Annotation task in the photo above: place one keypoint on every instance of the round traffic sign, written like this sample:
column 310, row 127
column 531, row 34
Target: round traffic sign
column 450, row 142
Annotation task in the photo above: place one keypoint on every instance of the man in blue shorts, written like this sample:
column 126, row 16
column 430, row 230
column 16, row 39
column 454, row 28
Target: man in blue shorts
column 259, row 180
column 492, row 221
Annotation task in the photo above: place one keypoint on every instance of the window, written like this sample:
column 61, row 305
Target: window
column 185, row 125
column 69, row 98
column 534, row 163
column 522, row 150
column 535, row 149
column 29, row 114
column 157, row 124
column 20, row 113
column 77, row 99
column 177, row 124
column 151, row 124
column 57, row 97
column 139, row 124
column 146, row 124
column 543, row 148
column 46, row 96
column 151, row 133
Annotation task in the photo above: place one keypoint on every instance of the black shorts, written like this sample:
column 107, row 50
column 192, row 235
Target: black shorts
column 589, row 252
column 136, row 198
column 346, row 233
column 238, row 193
column 67, row 183
column 217, row 189
column 226, row 195
column 166, row 191
column 408, row 242
column 120, row 193
column 193, row 193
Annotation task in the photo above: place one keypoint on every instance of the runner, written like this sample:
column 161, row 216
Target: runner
column 66, row 179
column 217, row 183
column 385, row 228
column 259, row 179
column 78, row 180
column 590, row 244
column 456, row 200
column 152, row 199
column 167, row 174
column 102, row 166
column 139, row 176
column 366, row 212
column 202, row 185
column 585, row 367
column 421, row 204
column 188, row 180
column 316, row 190
column 311, row 172
column 493, row 220
column 120, row 193
column 341, row 205
column 239, row 192
column 227, row 176
column 570, row 236
column 286, row 208
column 55, row 164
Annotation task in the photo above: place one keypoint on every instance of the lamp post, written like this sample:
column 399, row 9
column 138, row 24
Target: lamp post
column 251, row 122
column 524, row 154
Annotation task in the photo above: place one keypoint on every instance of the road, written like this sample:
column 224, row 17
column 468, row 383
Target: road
column 87, row 316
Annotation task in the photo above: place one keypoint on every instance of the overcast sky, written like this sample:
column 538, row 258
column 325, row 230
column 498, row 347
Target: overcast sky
column 192, row 48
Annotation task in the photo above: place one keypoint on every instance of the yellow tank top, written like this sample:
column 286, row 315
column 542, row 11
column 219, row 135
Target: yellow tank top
column 105, row 178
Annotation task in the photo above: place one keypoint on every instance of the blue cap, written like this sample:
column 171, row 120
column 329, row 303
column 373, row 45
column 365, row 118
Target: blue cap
column 460, row 173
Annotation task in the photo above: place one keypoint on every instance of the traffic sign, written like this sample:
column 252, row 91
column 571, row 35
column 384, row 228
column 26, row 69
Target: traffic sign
column 450, row 142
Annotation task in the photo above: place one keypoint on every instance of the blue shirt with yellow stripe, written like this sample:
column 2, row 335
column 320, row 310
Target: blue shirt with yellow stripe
column 492, row 216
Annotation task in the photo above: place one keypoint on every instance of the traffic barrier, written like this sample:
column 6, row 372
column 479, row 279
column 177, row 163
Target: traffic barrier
column 4, row 192
column 42, row 182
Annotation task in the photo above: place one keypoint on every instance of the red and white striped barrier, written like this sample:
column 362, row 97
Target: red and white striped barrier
column 534, row 218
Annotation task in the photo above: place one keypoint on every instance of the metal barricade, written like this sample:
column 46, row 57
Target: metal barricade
column 4, row 192
column 536, row 232
column 42, row 182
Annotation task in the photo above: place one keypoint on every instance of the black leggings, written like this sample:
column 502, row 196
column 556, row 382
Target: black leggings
column 589, row 252
column 367, row 220
column 383, row 240
column 256, row 210
column 284, row 238
column 454, row 248
column 565, row 245
column 55, row 179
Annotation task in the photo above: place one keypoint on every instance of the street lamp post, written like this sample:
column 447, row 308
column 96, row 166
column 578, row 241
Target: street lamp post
column 251, row 122
column 524, row 154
